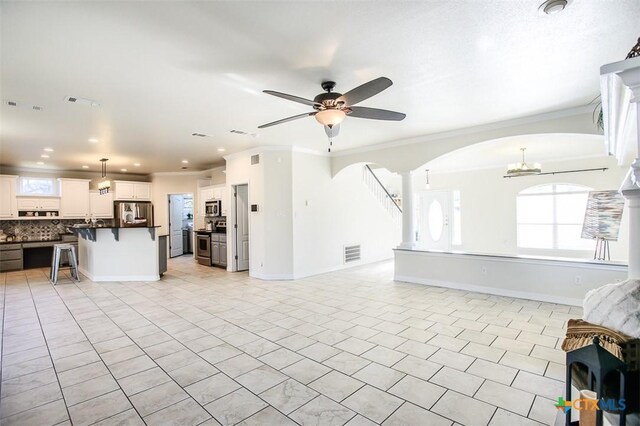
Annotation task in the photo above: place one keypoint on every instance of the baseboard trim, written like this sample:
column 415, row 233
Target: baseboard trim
column 112, row 278
column 496, row 291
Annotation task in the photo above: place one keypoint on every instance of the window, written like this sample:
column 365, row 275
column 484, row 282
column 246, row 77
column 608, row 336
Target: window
column 37, row 186
column 457, row 220
column 551, row 216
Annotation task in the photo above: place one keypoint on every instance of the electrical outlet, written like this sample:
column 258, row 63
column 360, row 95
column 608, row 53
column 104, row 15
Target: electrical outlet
column 577, row 280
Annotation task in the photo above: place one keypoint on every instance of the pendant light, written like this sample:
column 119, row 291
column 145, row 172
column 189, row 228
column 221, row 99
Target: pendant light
column 523, row 169
column 104, row 184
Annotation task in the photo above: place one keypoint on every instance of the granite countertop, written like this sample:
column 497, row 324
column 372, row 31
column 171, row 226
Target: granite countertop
column 53, row 240
column 114, row 227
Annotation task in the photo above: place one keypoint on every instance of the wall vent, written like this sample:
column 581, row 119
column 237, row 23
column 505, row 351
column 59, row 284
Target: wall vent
column 351, row 253
column 255, row 159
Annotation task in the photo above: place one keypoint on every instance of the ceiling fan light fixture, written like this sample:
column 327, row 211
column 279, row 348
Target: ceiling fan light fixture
column 551, row 7
column 330, row 117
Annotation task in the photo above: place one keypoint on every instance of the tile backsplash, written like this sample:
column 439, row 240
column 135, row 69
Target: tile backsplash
column 33, row 230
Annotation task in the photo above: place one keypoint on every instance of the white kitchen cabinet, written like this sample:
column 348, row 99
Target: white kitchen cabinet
column 205, row 193
column 8, row 204
column 38, row 203
column 224, row 196
column 74, row 198
column 132, row 190
column 101, row 206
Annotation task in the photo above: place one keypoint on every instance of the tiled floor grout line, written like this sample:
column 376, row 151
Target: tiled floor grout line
column 301, row 299
column 187, row 348
column 99, row 356
column 35, row 307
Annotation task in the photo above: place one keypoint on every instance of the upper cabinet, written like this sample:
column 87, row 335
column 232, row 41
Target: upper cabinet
column 213, row 192
column 101, row 205
column 8, row 205
column 74, row 201
column 140, row 191
column 38, row 203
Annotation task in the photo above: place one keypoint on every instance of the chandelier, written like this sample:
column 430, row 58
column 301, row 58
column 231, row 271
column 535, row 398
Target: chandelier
column 104, row 184
column 522, row 168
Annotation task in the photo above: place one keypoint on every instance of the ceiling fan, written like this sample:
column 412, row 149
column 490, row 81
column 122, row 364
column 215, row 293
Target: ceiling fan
column 331, row 108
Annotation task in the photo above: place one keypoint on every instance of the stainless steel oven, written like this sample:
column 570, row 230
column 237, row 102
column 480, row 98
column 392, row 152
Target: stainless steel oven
column 203, row 248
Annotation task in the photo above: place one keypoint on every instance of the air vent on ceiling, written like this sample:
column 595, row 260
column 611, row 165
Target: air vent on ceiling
column 82, row 101
column 242, row 132
column 200, row 135
column 255, row 159
column 23, row 105
column 351, row 253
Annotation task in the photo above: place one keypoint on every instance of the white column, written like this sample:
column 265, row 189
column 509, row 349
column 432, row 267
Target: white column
column 408, row 213
column 631, row 186
column 631, row 191
column 613, row 90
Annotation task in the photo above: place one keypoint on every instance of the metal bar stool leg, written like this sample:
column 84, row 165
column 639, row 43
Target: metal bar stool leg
column 73, row 262
column 55, row 265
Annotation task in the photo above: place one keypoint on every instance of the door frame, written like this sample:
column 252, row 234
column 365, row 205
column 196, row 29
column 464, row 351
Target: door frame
column 232, row 266
column 169, row 194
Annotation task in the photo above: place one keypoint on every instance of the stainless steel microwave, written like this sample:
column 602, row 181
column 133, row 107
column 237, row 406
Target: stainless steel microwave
column 213, row 208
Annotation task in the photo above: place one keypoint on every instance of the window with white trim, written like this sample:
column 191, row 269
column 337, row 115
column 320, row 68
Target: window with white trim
column 37, row 186
column 551, row 216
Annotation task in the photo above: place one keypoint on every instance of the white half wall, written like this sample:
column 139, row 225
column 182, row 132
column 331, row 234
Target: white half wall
column 554, row 281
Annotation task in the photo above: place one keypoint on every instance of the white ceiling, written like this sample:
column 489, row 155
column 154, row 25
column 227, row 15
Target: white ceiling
column 163, row 70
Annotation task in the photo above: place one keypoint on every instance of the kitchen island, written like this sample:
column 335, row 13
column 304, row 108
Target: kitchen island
column 120, row 254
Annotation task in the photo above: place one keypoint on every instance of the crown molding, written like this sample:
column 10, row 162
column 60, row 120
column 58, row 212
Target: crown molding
column 569, row 112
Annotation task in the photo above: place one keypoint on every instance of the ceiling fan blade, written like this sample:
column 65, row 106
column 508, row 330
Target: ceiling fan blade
column 291, row 97
column 333, row 131
column 284, row 120
column 376, row 114
column 365, row 91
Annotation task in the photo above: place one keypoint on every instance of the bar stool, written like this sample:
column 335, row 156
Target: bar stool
column 58, row 249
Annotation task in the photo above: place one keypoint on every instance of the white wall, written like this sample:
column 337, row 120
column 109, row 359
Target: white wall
column 488, row 202
column 240, row 171
column 329, row 213
column 305, row 216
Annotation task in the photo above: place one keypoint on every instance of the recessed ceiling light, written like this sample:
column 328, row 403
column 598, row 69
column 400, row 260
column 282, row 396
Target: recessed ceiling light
column 185, row 161
column 553, row 6
column 123, row 170
column 44, row 156
column 94, row 140
column 48, row 149
column 136, row 164
column 40, row 163
column 221, row 150
column 85, row 167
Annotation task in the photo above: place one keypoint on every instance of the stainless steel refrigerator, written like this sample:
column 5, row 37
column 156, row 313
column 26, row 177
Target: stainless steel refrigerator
column 129, row 213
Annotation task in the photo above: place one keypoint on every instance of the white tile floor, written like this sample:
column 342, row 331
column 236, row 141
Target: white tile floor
column 202, row 346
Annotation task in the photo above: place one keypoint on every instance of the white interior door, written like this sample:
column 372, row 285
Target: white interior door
column 434, row 230
column 242, row 232
column 175, row 225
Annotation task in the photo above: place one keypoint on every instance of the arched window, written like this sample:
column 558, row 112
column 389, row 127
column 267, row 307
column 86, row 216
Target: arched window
column 550, row 217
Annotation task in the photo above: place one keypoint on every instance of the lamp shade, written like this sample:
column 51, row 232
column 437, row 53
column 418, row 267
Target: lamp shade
column 330, row 117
